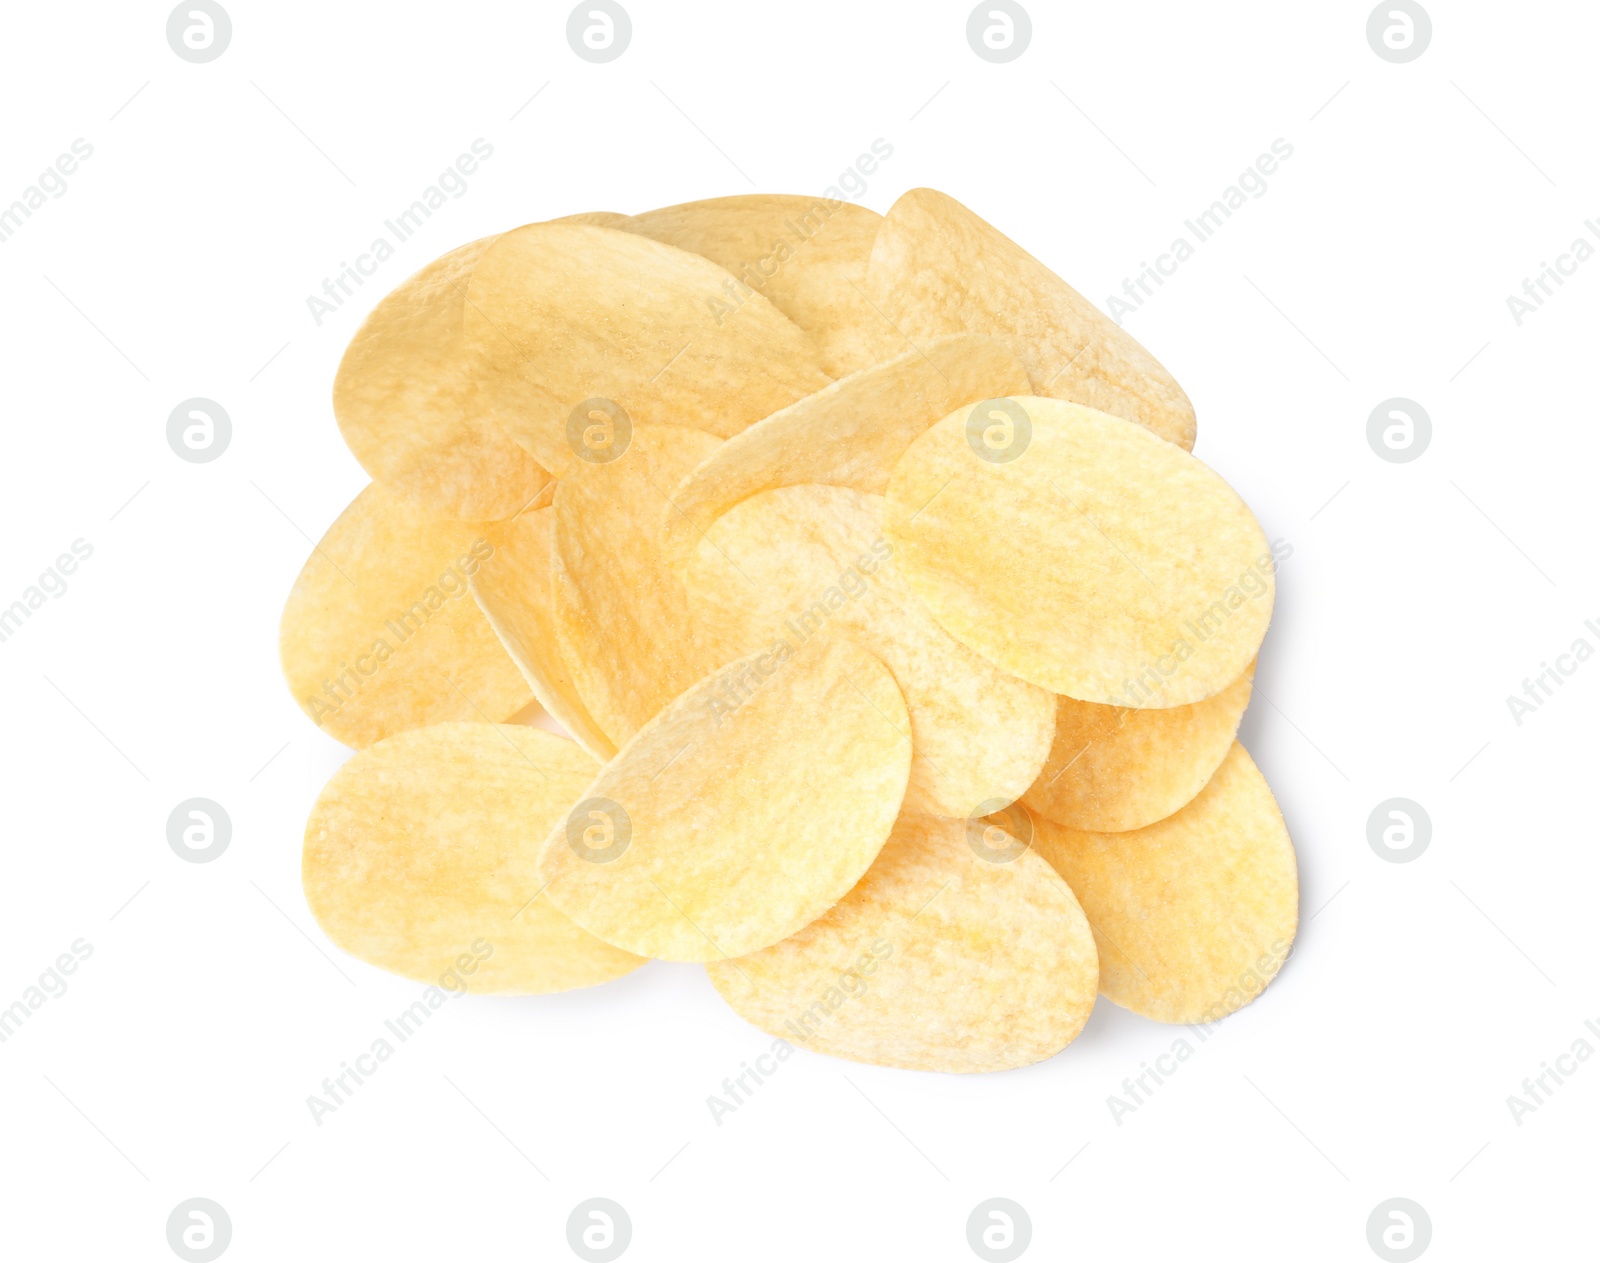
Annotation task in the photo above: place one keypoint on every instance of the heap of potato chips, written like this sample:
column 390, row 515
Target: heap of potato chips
column 901, row 640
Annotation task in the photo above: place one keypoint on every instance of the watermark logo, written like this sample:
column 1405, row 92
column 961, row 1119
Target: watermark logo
column 199, row 430
column 1399, row 1230
column 599, row 1230
column 198, row 830
column 199, row 1230
column 999, row 1230
column 996, row 843
column 1398, row 830
column 1399, row 430
column 999, row 30
column 599, row 830
column 998, row 430
column 599, row 431
column 199, row 31
column 599, row 30
column 1399, row 30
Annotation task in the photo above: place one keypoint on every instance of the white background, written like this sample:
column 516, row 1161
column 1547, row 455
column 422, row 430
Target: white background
column 1419, row 595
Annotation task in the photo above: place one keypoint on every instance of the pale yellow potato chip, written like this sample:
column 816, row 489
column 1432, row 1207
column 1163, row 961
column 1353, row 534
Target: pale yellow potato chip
column 1112, row 768
column 578, row 332
column 600, row 219
column 807, row 255
column 380, row 633
column 1075, row 550
column 789, row 564
column 955, row 952
column 937, row 268
column 1195, row 914
column 849, row 434
column 744, row 810
column 621, row 614
column 513, row 589
column 418, row 860
column 407, row 403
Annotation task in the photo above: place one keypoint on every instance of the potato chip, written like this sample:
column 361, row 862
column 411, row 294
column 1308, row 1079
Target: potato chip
column 407, row 404
column 417, row 860
column 1076, row 551
column 807, row 255
column 380, row 633
column 937, row 268
column 1195, row 914
column 599, row 219
column 849, row 434
column 744, row 810
column 1112, row 768
column 788, row 564
column 577, row 333
column 951, row 954
column 513, row 589
column 622, row 616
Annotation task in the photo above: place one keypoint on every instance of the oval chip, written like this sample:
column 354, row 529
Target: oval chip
column 937, row 268
column 788, row 564
column 1195, row 914
column 1077, row 551
column 849, row 434
column 407, row 404
column 950, row 954
column 1112, row 768
column 380, row 632
column 576, row 330
column 744, row 810
column 419, row 859
column 622, row 615
column 807, row 255
column 513, row 589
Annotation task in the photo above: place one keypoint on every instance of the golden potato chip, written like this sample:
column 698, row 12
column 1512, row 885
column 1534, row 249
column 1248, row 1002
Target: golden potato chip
column 807, row 255
column 418, row 860
column 1073, row 549
column 407, row 404
column 513, row 589
column 747, row 808
column 600, row 219
column 1112, row 768
column 577, row 333
column 937, row 268
column 849, row 434
column 788, row 564
column 380, row 633
column 952, row 953
column 1194, row 914
column 621, row 614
